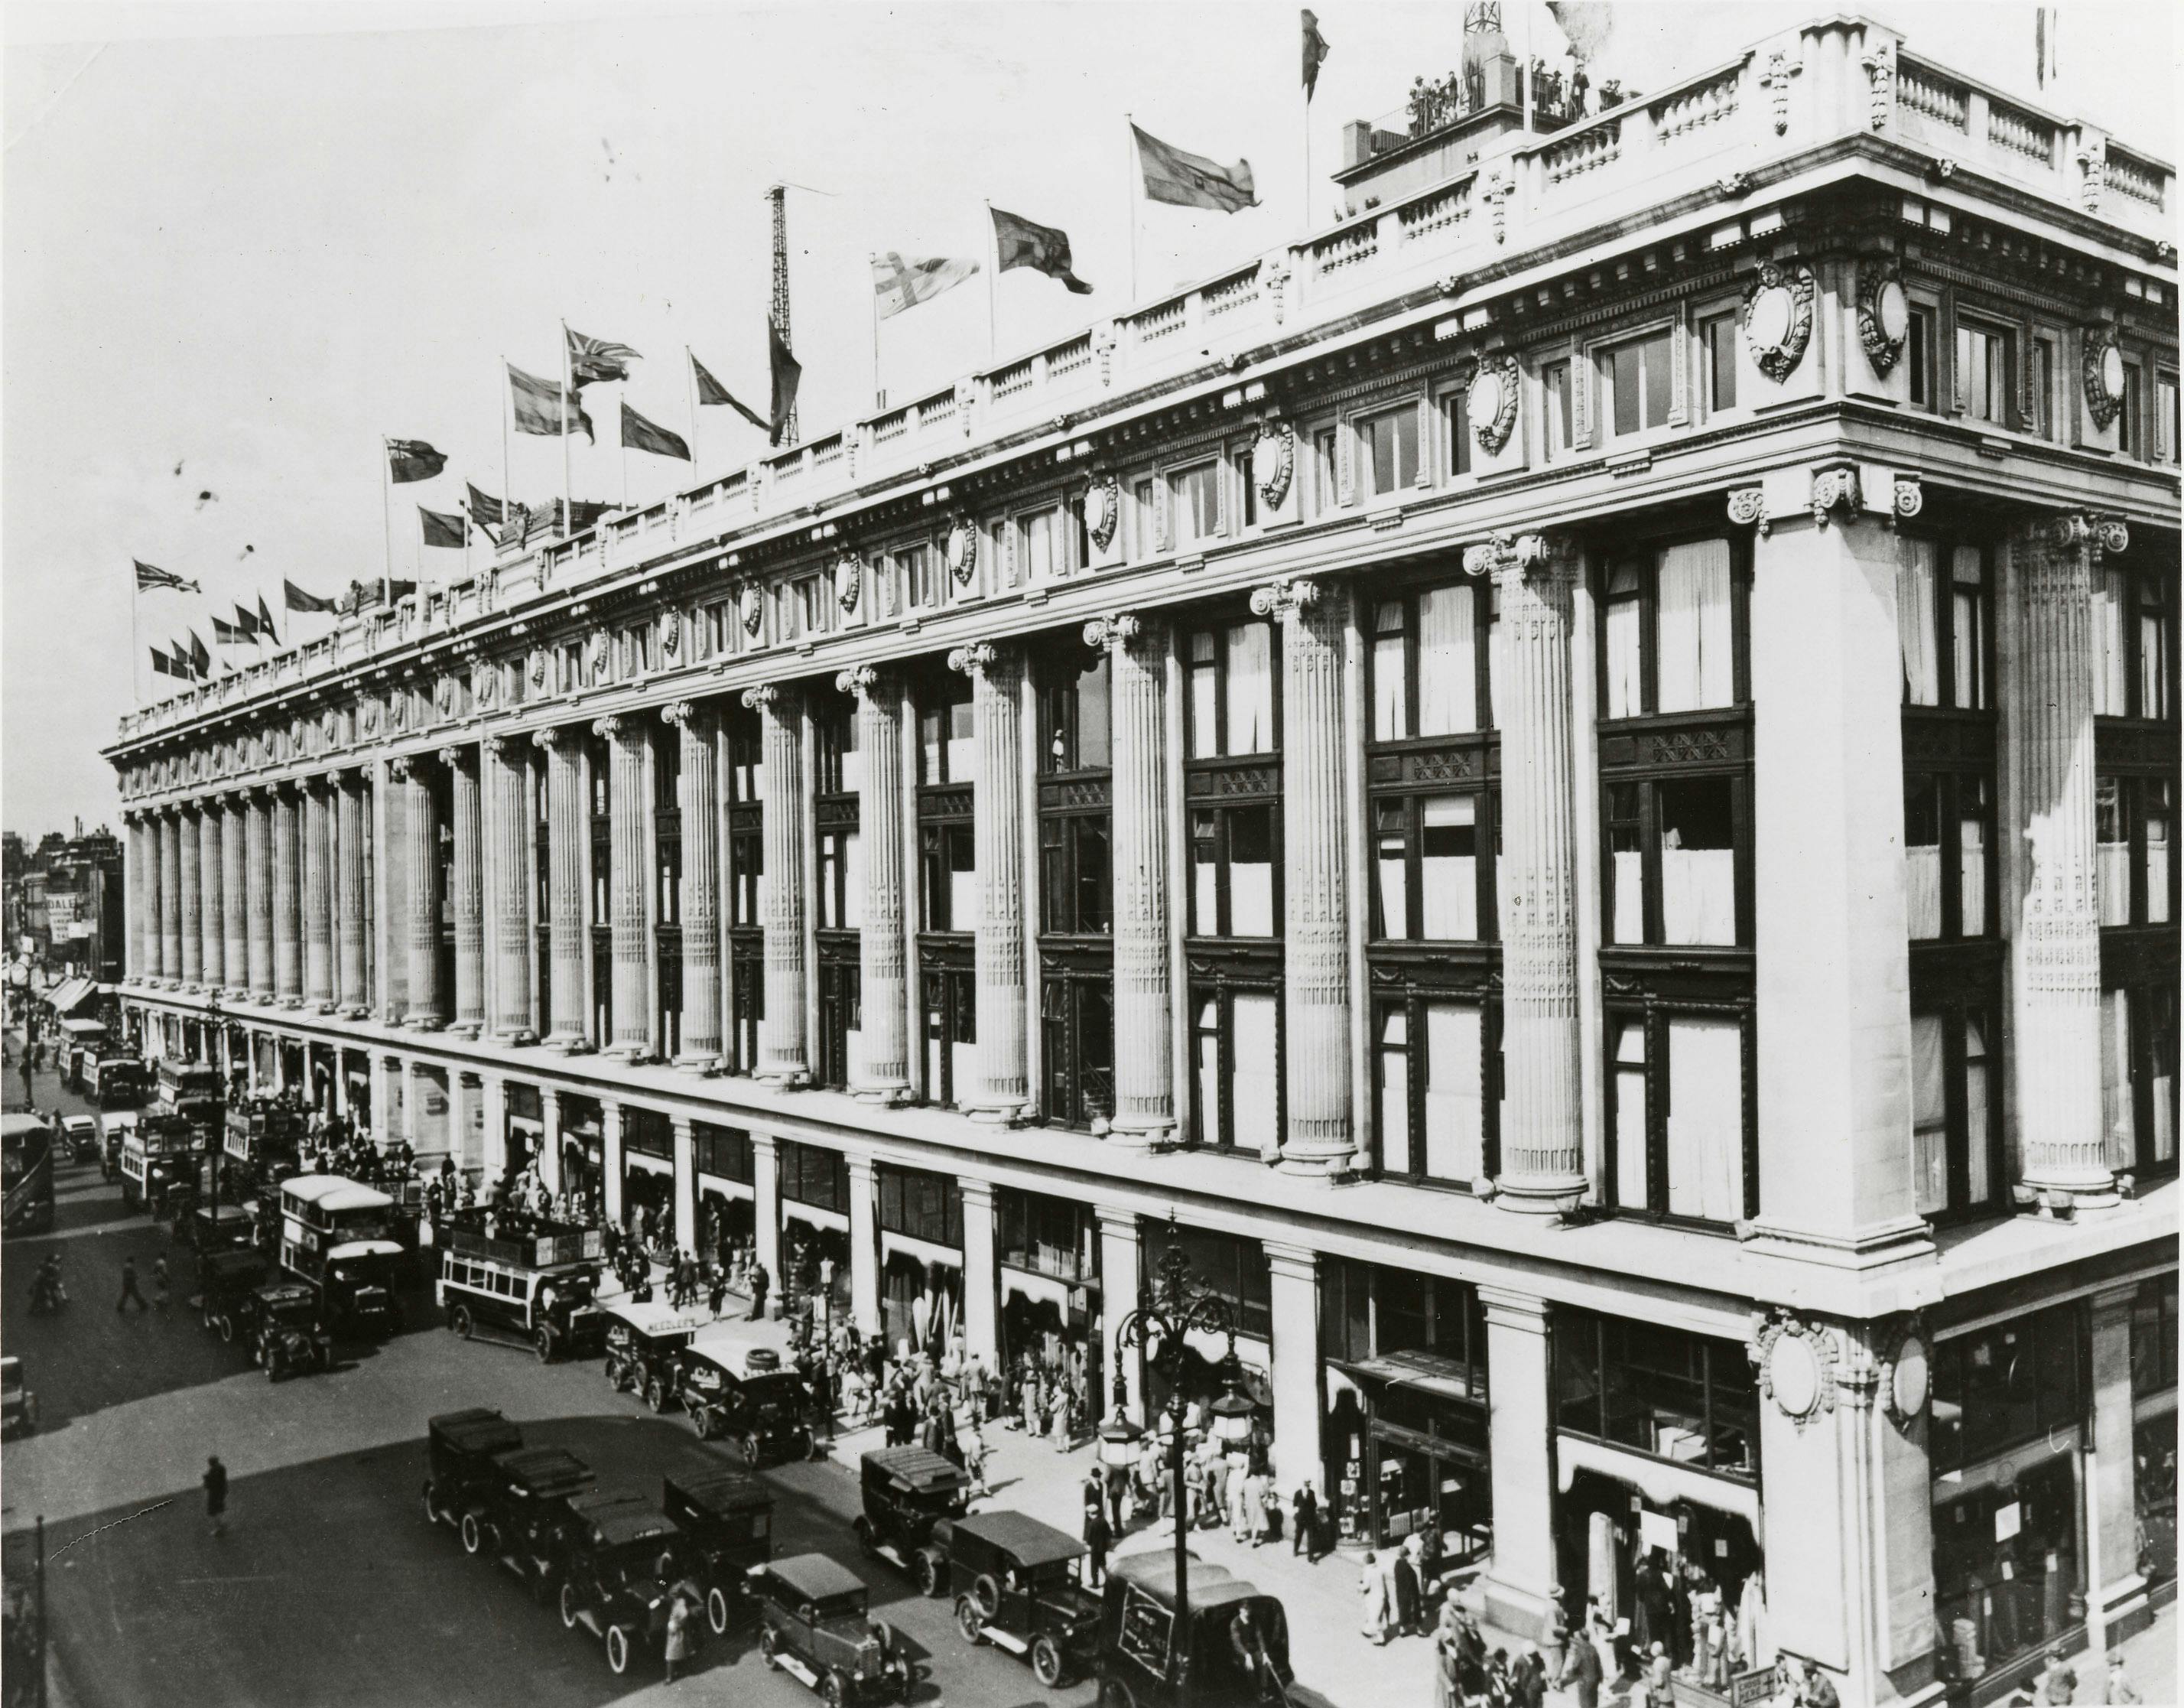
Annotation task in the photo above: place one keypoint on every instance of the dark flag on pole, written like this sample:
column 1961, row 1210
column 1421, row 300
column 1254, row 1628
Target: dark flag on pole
column 711, row 391
column 265, row 621
column 245, row 625
column 788, row 375
column 640, row 434
column 441, row 529
column 225, row 634
column 165, row 666
column 1315, row 53
column 150, row 576
column 199, row 654
column 485, row 510
column 1022, row 243
column 412, row 459
column 538, row 407
column 597, row 359
column 296, row 599
column 1191, row 180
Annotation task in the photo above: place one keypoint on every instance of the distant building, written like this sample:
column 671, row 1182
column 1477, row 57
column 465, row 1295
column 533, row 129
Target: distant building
column 64, row 903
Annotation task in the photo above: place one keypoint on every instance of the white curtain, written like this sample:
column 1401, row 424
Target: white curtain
column 853, row 881
column 1967, row 573
column 1930, row 1116
column 1251, row 895
column 1922, row 885
column 2111, row 693
column 1205, row 894
column 1693, row 626
column 1915, row 621
column 1448, row 683
column 1455, row 1111
column 963, row 900
column 2118, row 1117
column 1395, row 886
column 963, row 743
column 1971, row 873
column 1698, row 894
column 1389, row 702
column 1251, row 690
column 1448, row 881
column 2112, row 881
column 1630, row 1115
column 1625, row 698
column 1705, row 1119
column 1254, row 1089
column 1395, row 1065
column 2157, row 863
column 1209, row 1071
column 1978, row 1070
column 1629, row 926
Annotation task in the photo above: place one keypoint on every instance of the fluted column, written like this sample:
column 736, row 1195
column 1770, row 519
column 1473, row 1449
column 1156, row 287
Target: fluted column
column 996, row 673
column 697, row 725
column 565, row 889
column 632, row 1019
column 318, row 897
column 257, row 887
column 349, row 832
column 1315, row 878
column 170, row 823
column 511, row 890
column 467, row 905
column 1145, row 1047
column 235, row 892
column 1542, row 1118
column 884, row 1074
column 781, row 1058
column 288, row 900
column 212, row 902
column 139, row 909
column 2055, row 948
column 423, row 1010
column 192, row 897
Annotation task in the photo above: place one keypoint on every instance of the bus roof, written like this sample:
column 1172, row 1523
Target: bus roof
column 335, row 1192
column 16, row 1126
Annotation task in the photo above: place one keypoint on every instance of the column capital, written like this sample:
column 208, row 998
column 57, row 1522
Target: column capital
column 2072, row 530
column 862, row 680
column 1515, row 1310
column 552, row 736
column 1291, row 1262
column 1514, row 558
column 862, row 1167
column 609, row 726
column 680, row 713
column 1287, row 598
column 768, row 1142
column 979, row 1194
column 458, row 756
column 980, row 658
column 1116, row 1220
column 680, row 1125
column 1116, row 631
column 766, row 696
column 402, row 768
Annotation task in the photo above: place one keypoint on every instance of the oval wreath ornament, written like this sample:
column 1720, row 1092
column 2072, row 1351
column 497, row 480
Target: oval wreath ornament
column 1490, row 404
column 1777, row 318
column 2102, row 376
column 963, row 550
column 1103, row 510
column 1273, row 462
column 1884, row 316
column 849, row 580
column 750, row 607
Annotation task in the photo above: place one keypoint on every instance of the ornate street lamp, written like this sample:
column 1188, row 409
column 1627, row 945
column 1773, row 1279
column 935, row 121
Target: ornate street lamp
column 1118, row 1435
column 1167, row 1312
column 1234, row 1414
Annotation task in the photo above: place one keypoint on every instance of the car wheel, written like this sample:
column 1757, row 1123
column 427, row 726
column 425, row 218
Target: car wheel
column 460, row 1321
column 769, row 1648
column 967, row 1620
column 717, row 1611
column 569, row 1606
column 617, row 1650
column 925, row 1570
column 1046, row 1662
column 834, row 1691
column 702, row 1418
column 865, row 1543
column 473, row 1534
column 656, row 1394
column 226, row 1327
column 754, row 1450
column 545, row 1343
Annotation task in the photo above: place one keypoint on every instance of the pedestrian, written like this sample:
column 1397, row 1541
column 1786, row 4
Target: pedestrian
column 974, row 1461
column 1659, row 1693
column 1373, row 1592
column 1403, row 1582
column 1194, row 1491
column 162, row 1294
column 1818, row 1690
column 678, row 1634
column 2058, row 1683
column 129, row 1286
column 215, row 1487
column 1528, row 1680
column 1097, row 1538
column 759, row 1281
column 717, row 1290
column 1304, row 1523
column 2117, row 1687
column 1582, row 1673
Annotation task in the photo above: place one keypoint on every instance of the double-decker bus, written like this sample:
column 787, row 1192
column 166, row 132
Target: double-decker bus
column 334, row 1236
column 26, row 1173
column 521, row 1280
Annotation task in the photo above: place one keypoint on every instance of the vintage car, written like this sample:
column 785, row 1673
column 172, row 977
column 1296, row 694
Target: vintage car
column 462, row 1446
column 525, row 1509
column 727, row 1522
column 1233, row 1648
column 205, row 1231
column 621, row 1569
column 1015, row 1583
column 282, row 1322
column 79, row 1137
column 224, row 1280
column 815, row 1622
column 907, row 1490
column 642, row 1341
column 736, row 1387
column 18, row 1406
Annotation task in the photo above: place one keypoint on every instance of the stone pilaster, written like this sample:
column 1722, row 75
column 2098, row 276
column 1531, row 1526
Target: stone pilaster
column 513, row 931
column 467, row 904
column 884, row 1074
column 686, row 1186
column 1315, row 877
column 257, row 885
column 139, row 908
column 192, row 894
column 982, row 1275
column 1145, row 1051
column 864, row 1247
column 1293, row 1303
column 1122, row 1274
column 697, row 727
column 627, row 878
column 613, row 1138
column 1520, row 1584
column 235, row 893
column 1003, row 1092
column 765, row 1206
column 350, row 914
column 2118, row 1590
column 423, row 1010
column 2055, row 942
column 318, row 898
column 212, row 900
column 170, row 823
column 565, row 830
column 549, row 1139
column 1542, row 1124
column 288, row 900
column 782, row 1050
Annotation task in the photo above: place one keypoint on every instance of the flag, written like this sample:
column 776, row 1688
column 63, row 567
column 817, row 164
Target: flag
column 265, row 621
column 1315, row 53
column 538, row 406
column 163, row 665
column 901, row 281
column 1022, row 243
column 1585, row 25
column 788, row 375
column 296, row 599
column 245, row 624
column 486, row 509
column 1191, row 180
column 412, row 459
column 640, row 434
column 200, row 654
column 225, row 634
column 711, row 391
column 441, row 529
column 597, row 359
column 150, row 576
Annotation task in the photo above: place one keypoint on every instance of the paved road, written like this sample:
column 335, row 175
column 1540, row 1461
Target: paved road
column 329, row 1587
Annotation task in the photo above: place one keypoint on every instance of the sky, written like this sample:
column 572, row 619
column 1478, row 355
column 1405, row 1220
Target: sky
column 240, row 243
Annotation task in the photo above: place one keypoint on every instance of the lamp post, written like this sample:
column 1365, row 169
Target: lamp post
column 216, row 1141
column 1166, row 1311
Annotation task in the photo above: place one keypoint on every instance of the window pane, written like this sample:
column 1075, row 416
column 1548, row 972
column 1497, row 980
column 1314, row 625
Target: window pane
column 1392, row 867
column 1205, row 877
column 1915, row 623
column 1721, row 362
column 1654, row 353
column 963, row 743
column 1448, row 875
column 1625, row 697
column 1391, row 720
column 853, row 880
column 1448, row 686
column 1968, row 661
column 1209, row 1072
column 1698, row 861
column 1394, row 1088
column 1705, row 1119
column 1623, row 383
column 1627, row 917
column 2111, row 851
column 1254, row 1089
column 2111, row 691
column 1205, row 690
column 1977, row 1121
column 2118, row 1116
column 2160, row 813
column 1251, row 689
column 1922, row 858
column 2152, row 665
column 1630, row 1115
column 1930, row 1116
column 962, row 878
column 1971, row 853
column 1251, row 872
column 1695, row 668
column 1455, row 1143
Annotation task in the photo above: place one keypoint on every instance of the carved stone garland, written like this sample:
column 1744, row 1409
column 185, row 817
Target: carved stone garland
column 1492, row 428
column 1797, row 1365
column 2101, row 375
column 1778, row 360
column 1883, row 314
column 1273, row 462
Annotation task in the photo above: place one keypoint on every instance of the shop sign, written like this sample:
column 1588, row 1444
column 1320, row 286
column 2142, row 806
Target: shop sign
column 1658, row 1530
column 2007, row 1520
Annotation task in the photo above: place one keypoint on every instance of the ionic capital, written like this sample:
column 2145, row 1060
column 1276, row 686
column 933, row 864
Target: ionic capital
column 977, row 659
column 678, row 713
column 1114, row 633
column 763, row 698
column 1286, row 599
column 552, row 736
column 402, row 767
column 862, row 680
column 455, row 757
column 608, row 726
column 1510, row 559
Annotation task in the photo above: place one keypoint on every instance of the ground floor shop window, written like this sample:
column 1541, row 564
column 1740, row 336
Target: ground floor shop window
column 648, row 1204
column 921, row 1303
column 1685, row 1398
column 2006, row 1579
column 815, row 1269
column 583, row 1152
column 728, row 1225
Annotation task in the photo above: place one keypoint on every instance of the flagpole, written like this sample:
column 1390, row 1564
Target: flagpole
column 136, row 652
column 1307, row 226
column 1526, row 48
column 386, row 507
column 507, row 497
column 879, row 392
column 993, row 288
column 568, row 498
column 690, row 392
column 622, row 440
column 1130, row 192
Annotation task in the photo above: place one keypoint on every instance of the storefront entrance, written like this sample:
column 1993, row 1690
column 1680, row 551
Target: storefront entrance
column 648, row 1200
column 583, row 1154
column 1406, row 1447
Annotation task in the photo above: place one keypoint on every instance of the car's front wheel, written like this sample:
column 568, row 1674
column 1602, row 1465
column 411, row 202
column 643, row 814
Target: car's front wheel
column 570, row 1606
column 717, row 1610
column 656, row 1394
column 967, row 1620
column 473, row 1534
column 545, row 1343
column 754, row 1450
column 834, row 1690
column 617, row 1650
column 225, row 1323
column 701, row 1419
column 1046, row 1662
column 460, row 1321
column 769, row 1647
column 926, row 1569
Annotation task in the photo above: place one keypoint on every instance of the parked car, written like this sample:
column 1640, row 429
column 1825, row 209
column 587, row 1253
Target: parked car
column 1014, row 1583
column 80, row 1133
column 621, row 1569
column 815, row 1622
column 524, row 1510
column 224, row 1280
column 18, row 1406
column 1231, row 1651
column 731, row 1386
column 642, row 1341
column 463, row 1445
column 907, row 1490
column 282, row 1322
column 727, row 1522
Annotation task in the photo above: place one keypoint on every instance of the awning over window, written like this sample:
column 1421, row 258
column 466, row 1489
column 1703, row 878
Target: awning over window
column 71, row 994
column 1443, row 1377
column 1661, row 1483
